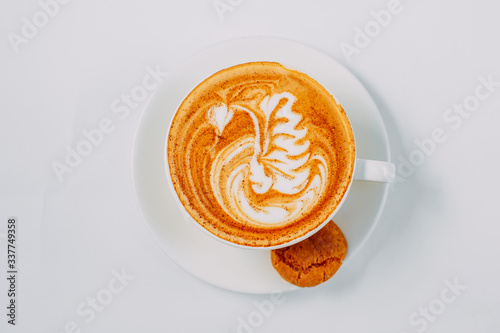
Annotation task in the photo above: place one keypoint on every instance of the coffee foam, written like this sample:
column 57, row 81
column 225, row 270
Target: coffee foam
column 260, row 154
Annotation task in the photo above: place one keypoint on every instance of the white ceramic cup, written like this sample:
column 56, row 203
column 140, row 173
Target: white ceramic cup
column 364, row 170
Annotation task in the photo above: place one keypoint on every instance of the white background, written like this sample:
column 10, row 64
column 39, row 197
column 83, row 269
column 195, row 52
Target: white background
column 440, row 224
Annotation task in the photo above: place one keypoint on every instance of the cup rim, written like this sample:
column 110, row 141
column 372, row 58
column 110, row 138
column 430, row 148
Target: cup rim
column 192, row 220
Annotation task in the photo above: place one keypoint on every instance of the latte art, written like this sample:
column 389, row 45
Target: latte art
column 277, row 158
column 260, row 154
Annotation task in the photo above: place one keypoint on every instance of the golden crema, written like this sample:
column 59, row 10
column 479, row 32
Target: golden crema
column 260, row 154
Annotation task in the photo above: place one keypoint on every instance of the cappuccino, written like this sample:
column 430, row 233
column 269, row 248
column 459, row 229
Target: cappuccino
column 260, row 154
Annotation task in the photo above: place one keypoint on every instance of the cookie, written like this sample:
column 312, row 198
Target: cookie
column 314, row 260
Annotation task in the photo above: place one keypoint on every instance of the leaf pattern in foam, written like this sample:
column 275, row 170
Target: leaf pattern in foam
column 282, row 154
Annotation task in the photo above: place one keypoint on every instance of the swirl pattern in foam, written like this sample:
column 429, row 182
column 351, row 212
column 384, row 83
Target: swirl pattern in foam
column 283, row 161
column 260, row 154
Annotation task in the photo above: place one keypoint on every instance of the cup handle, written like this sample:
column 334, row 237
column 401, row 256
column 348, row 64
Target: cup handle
column 375, row 171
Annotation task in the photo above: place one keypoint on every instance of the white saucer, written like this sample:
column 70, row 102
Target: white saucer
column 225, row 266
